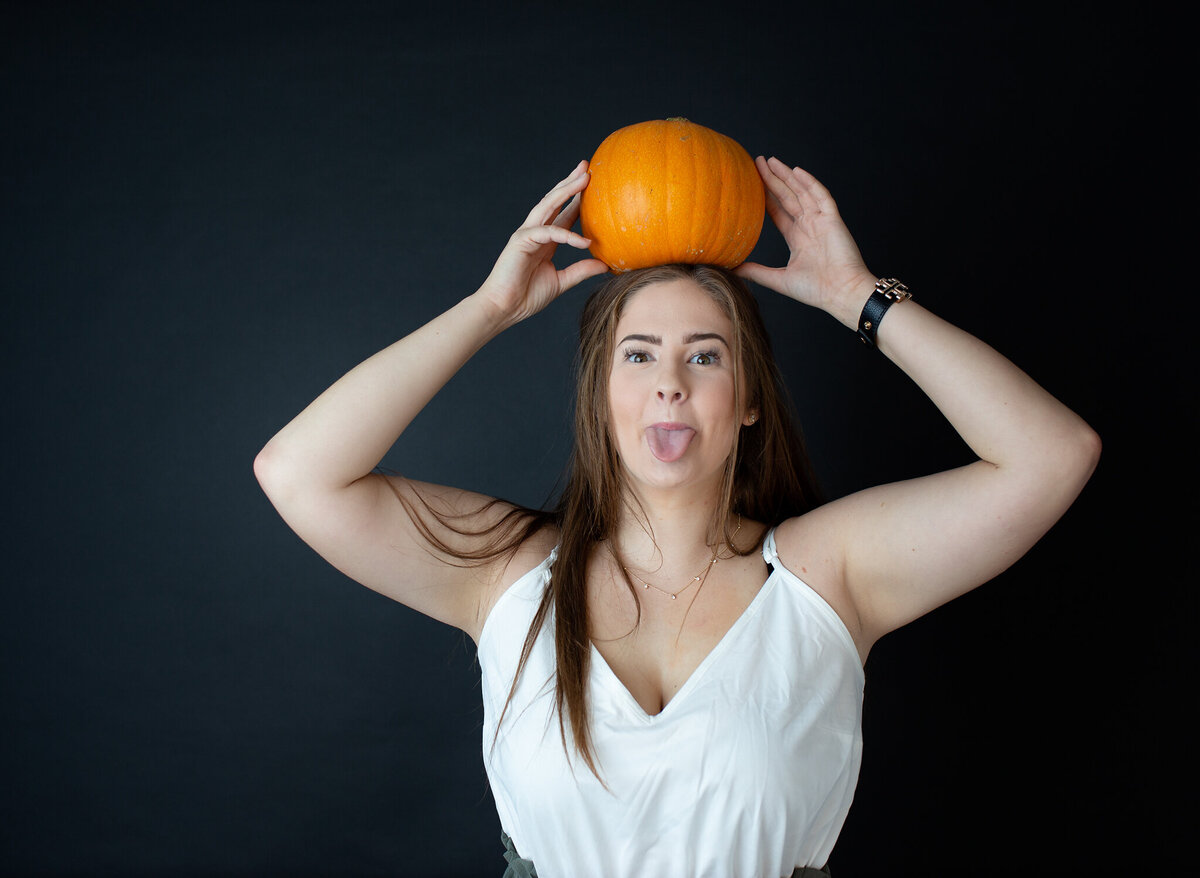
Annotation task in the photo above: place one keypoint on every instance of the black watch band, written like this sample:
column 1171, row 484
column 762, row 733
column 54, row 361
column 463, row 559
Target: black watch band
column 888, row 291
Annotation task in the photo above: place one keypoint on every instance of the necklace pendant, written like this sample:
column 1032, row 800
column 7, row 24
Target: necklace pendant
column 672, row 597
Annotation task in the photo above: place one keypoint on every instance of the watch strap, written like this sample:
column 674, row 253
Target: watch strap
column 888, row 291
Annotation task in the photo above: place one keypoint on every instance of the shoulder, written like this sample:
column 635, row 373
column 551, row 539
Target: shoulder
column 532, row 552
column 810, row 546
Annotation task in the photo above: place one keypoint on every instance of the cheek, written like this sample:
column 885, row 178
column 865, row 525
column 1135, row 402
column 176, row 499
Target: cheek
column 624, row 398
column 721, row 397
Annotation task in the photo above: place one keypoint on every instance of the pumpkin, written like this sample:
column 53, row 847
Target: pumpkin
column 670, row 190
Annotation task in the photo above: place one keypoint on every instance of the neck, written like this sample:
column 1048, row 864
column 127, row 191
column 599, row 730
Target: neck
column 668, row 531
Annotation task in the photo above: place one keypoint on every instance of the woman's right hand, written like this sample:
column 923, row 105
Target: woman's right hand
column 524, row 280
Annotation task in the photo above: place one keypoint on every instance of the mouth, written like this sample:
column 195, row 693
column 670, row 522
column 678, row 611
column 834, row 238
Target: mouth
column 668, row 440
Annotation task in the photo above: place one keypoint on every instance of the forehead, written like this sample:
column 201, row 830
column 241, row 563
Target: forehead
column 672, row 307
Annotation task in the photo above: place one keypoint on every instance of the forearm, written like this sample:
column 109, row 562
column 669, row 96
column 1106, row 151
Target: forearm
column 343, row 434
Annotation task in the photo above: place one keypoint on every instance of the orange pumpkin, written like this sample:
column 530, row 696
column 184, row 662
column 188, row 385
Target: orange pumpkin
column 672, row 191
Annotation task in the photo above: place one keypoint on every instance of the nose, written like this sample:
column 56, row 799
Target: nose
column 670, row 387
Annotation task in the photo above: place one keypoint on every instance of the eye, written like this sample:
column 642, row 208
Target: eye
column 705, row 358
column 636, row 356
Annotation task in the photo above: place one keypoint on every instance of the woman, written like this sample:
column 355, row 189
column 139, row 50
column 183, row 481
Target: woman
column 672, row 659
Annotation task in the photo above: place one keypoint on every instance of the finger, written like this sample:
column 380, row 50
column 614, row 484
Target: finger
column 778, row 178
column 543, row 212
column 577, row 272
column 775, row 210
column 812, row 196
column 782, row 219
column 771, row 278
column 531, row 238
column 554, row 202
column 569, row 213
column 811, row 185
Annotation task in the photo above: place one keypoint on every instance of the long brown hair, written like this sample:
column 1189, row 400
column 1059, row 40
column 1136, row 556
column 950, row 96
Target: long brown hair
column 768, row 477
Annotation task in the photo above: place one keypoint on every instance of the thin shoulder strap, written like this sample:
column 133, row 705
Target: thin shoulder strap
column 768, row 550
column 549, row 564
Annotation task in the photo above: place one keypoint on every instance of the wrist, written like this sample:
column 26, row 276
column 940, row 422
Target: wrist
column 847, row 305
column 487, row 315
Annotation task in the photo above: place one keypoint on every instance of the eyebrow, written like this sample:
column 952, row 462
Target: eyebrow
column 687, row 339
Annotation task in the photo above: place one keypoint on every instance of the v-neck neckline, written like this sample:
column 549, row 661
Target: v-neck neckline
column 600, row 663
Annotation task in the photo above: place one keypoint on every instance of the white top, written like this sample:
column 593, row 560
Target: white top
column 748, row 772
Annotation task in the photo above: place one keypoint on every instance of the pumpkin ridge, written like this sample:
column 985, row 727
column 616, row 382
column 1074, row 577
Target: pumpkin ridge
column 698, row 220
column 718, row 247
column 729, row 218
column 669, row 203
column 612, row 197
column 675, row 209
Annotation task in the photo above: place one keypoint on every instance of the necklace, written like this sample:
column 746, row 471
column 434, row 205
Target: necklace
column 699, row 577
column 674, row 594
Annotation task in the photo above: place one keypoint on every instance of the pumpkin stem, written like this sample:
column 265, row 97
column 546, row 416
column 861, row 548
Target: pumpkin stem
column 676, row 119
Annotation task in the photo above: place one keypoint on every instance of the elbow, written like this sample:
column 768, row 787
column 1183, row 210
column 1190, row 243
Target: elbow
column 1090, row 448
column 1060, row 463
column 1093, row 447
column 286, row 476
column 269, row 469
column 1052, row 483
column 1076, row 458
column 1084, row 447
column 262, row 463
column 1082, row 462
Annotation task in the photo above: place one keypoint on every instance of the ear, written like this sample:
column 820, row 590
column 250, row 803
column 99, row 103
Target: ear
column 750, row 418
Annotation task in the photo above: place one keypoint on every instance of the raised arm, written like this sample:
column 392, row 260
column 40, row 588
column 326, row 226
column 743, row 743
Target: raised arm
column 318, row 470
column 886, row 555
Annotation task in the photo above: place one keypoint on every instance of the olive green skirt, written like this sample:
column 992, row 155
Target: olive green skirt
column 519, row 867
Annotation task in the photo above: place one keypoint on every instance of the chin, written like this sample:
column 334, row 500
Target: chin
column 655, row 474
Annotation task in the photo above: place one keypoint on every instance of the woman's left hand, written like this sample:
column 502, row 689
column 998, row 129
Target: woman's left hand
column 824, row 268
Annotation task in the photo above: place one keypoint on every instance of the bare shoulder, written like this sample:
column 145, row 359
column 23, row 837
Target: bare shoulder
column 528, row 555
column 810, row 546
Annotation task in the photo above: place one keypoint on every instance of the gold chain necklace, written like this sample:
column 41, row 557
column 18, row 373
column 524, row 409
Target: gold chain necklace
column 674, row 594
column 699, row 577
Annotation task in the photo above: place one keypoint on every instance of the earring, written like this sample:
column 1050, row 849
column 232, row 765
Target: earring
column 753, row 418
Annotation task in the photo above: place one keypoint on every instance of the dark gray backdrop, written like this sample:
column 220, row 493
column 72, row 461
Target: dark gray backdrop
column 212, row 210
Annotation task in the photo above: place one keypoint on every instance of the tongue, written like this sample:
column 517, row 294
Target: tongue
column 669, row 445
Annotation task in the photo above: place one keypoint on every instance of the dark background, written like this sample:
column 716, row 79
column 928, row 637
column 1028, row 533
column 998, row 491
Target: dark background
column 212, row 210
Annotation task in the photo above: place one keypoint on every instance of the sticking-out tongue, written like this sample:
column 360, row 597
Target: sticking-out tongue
column 669, row 444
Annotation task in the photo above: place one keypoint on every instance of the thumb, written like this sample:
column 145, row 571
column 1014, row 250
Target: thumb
column 771, row 278
column 577, row 272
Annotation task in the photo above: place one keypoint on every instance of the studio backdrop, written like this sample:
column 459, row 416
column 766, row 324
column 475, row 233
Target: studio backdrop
column 213, row 210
